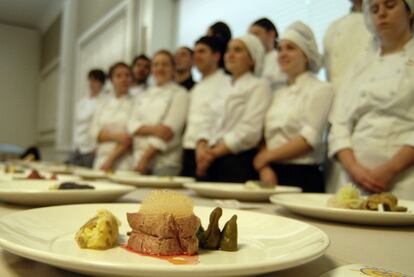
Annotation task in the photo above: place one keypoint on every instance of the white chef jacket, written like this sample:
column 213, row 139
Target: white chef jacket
column 272, row 72
column 345, row 40
column 85, row 109
column 113, row 112
column 238, row 119
column 166, row 105
column 209, row 90
column 374, row 113
column 300, row 109
column 137, row 89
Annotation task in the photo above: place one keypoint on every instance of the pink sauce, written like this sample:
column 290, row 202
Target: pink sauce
column 176, row 260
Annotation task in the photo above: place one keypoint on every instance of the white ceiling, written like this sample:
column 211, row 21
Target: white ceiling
column 33, row 14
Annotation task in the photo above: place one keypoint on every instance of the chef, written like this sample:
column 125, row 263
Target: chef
column 157, row 121
column 373, row 118
column 226, row 148
column 297, row 117
column 211, row 88
column 109, row 123
column 85, row 144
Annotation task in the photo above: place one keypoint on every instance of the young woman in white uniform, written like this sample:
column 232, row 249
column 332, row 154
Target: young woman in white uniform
column 109, row 123
column 157, row 121
column 226, row 148
column 372, row 131
column 297, row 117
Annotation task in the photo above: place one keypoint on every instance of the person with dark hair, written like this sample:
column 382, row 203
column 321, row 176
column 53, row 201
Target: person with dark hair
column 266, row 31
column 157, row 121
column 222, row 31
column 231, row 134
column 183, row 65
column 84, row 143
column 213, row 85
column 109, row 125
column 141, row 68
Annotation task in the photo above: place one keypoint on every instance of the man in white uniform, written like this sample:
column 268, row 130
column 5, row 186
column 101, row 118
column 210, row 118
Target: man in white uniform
column 85, row 145
column 183, row 64
column 141, row 67
column 211, row 88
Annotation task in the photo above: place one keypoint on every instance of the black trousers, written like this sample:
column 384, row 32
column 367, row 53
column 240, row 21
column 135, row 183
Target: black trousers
column 189, row 165
column 233, row 168
column 308, row 177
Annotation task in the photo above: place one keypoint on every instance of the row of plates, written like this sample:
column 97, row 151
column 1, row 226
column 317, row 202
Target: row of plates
column 39, row 193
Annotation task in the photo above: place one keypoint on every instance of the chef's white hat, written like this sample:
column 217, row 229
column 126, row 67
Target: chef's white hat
column 256, row 51
column 301, row 35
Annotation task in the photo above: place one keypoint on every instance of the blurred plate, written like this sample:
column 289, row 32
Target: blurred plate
column 315, row 205
column 238, row 191
column 40, row 192
column 90, row 174
column 152, row 181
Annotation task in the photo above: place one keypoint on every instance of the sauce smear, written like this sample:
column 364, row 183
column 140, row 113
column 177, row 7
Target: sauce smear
column 176, row 260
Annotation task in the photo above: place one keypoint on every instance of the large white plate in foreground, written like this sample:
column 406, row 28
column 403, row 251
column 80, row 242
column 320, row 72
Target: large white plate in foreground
column 38, row 192
column 152, row 181
column 237, row 191
column 267, row 243
column 315, row 205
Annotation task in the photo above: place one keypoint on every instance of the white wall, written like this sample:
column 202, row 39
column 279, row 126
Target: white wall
column 194, row 17
column 19, row 79
column 157, row 25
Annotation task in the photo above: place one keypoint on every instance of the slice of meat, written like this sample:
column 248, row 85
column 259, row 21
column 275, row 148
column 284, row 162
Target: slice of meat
column 163, row 234
column 164, row 225
column 147, row 244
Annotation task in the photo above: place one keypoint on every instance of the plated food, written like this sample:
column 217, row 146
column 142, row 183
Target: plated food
column 71, row 185
column 164, row 225
column 45, row 192
column 47, row 236
column 349, row 197
column 316, row 205
column 100, row 232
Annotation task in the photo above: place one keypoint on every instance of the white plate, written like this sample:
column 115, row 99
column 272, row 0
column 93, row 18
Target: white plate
column 38, row 192
column 90, row 174
column 152, row 181
column 237, row 191
column 271, row 243
column 53, row 168
column 315, row 205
